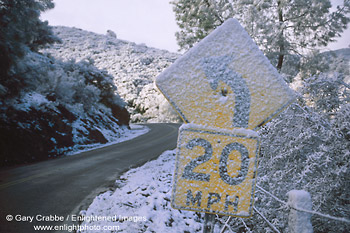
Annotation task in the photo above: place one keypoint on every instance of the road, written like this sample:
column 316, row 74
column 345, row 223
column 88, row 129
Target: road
column 65, row 186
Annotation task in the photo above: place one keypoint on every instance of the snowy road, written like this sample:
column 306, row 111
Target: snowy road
column 62, row 187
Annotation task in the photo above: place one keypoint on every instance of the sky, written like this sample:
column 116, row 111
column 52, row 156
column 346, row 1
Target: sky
column 151, row 22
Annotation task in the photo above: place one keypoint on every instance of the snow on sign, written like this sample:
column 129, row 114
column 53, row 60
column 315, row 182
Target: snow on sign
column 215, row 171
column 225, row 81
column 224, row 88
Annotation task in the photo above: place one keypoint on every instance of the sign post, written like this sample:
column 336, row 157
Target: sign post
column 209, row 222
column 224, row 88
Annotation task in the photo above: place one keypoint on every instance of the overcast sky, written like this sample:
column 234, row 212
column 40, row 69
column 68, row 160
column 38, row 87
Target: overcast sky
column 141, row 21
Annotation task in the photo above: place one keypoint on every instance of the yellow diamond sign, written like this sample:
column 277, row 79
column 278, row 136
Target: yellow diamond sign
column 224, row 88
column 225, row 81
column 215, row 171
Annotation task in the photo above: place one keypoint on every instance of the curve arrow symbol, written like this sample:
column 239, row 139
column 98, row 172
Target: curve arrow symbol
column 217, row 69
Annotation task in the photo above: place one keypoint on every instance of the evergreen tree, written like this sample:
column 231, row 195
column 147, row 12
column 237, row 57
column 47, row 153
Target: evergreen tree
column 21, row 30
column 279, row 27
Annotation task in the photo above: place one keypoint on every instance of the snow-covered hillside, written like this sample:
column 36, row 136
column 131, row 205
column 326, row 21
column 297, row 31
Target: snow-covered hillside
column 343, row 52
column 63, row 107
column 133, row 66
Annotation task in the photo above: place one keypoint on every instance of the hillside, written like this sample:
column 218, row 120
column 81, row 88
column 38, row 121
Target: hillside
column 50, row 107
column 343, row 52
column 134, row 68
column 64, row 107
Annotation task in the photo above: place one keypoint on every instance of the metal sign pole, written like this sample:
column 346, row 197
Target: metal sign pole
column 209, row 222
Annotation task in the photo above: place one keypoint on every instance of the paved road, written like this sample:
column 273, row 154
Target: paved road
column 64, row 186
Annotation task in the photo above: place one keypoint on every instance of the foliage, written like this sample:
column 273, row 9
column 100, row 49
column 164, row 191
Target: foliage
column 315, row 63
column 307, row 148
column 133, row 66
column 47, row 106
column 279, row 27
column 324, row 82
column 21, row 30
column 326, row 93
column 302, row 149
column 64, row 105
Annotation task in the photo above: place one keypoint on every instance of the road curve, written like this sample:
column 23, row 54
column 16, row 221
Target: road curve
column 64, row 186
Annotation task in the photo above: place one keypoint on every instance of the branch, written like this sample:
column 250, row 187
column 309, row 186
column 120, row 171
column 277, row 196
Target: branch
column 267, row 221
column 215, row 14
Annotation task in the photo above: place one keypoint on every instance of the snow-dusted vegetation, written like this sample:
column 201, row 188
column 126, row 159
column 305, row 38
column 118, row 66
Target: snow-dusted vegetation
column 49, row 106
column 134, row 68
column 64, row 106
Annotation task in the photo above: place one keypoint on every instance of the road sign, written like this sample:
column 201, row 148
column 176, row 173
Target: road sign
column 225, row 88
column 215, row 171
column 225, row 81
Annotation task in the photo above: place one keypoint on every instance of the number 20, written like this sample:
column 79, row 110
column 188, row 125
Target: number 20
column 208, row 152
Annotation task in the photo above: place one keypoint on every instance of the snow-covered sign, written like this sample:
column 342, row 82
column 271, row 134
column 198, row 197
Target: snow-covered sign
column 224, row 88
column 225, row 81
column 215, row 171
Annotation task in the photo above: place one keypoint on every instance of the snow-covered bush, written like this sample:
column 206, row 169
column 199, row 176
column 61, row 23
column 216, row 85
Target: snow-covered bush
column 326, row 92
column 134, row 68
column 303, row 150
column 62, row 106
column 307, row 148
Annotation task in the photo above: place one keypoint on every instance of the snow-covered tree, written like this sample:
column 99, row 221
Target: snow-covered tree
column 279, row 27
column 325, row 86
column 21, row 30
column 327, row 92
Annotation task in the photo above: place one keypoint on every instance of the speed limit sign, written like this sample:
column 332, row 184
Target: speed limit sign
column 224, row 88
column 215, row 172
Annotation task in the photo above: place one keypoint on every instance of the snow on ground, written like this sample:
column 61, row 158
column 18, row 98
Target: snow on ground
column 125, row 135
column 141, row 203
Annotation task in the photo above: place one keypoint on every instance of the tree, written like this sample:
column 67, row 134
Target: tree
column 279, row 27
column 21, row 30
